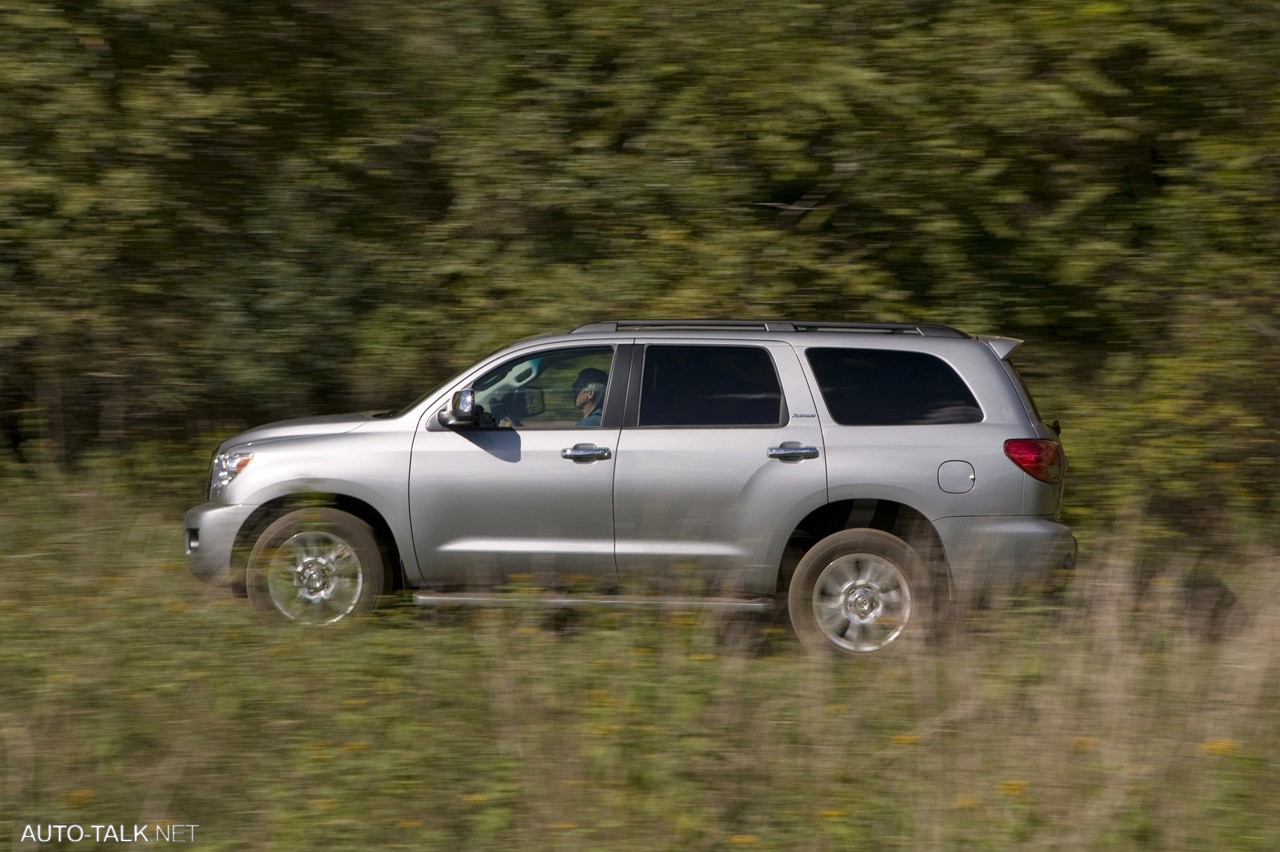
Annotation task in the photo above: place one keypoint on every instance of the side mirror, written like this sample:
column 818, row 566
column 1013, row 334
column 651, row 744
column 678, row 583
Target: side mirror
column 461, row 410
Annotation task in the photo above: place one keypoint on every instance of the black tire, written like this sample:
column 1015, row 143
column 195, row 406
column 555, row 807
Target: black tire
column 315, row 566
column 860, row 591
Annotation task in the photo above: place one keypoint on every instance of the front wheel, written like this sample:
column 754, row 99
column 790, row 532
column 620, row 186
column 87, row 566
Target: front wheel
column 315, row 566
column 859, row 591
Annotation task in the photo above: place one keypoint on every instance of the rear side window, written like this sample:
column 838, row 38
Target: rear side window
column 710, row 386
column 886, row 387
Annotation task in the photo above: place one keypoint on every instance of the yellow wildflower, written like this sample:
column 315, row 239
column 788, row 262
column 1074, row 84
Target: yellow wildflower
column 1220, row 747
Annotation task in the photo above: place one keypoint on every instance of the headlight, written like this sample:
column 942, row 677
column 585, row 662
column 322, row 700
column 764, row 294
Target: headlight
column 226, row 467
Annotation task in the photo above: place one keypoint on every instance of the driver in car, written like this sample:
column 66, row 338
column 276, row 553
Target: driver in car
column 588, row 396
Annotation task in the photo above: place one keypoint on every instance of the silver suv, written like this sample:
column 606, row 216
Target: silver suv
column 866, row 474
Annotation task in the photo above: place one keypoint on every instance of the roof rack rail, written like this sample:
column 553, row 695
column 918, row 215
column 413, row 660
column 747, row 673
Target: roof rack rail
column 746, row 325
column 923, row 329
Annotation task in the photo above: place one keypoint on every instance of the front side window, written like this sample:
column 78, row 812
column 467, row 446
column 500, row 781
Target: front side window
column 696, row 386
column 552, row 389
column 887, row 387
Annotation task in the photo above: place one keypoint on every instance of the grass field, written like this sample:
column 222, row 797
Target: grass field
column 134, row 695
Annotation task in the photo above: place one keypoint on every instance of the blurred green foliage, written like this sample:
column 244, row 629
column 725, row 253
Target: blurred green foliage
column 134, row 694
column 218, row 213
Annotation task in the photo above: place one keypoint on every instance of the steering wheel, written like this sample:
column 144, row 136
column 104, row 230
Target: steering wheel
column 502, row 414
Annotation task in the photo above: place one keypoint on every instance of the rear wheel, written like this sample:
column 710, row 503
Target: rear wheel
column 859, row 591
column 315, row 566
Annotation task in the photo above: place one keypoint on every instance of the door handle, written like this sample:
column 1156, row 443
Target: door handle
column 792, row 451
column 585, row 453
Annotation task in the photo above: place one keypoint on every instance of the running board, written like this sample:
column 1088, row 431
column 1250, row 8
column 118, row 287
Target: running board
column 422, row 598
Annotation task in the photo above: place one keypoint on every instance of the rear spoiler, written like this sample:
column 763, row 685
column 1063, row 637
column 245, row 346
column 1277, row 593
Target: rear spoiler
column 1002, row 346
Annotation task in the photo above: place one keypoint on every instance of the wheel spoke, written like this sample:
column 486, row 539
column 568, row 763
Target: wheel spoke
column 861, row 601
column 341, row 554
column 837, row 576
column 305, row 546
column 315, row 577
column 881, row 572
column 292, row 604
column 895, row 598
column 314, row 566
column 872, row 636
column 343, row 594
column 832, row 620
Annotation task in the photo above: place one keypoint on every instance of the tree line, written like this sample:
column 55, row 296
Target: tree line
column 214, row 213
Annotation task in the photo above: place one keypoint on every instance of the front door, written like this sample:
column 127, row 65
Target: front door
column 528, row 492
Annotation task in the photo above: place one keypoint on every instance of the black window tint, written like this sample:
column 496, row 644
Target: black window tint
column 710, row 386
column 885, row 387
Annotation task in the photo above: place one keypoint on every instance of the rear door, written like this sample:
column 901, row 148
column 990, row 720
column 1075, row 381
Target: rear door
column 719, row 458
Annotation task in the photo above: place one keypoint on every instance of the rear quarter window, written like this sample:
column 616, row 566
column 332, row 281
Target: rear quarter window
column 887, row 387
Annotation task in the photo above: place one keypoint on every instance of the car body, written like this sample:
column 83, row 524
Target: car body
column 722, row 459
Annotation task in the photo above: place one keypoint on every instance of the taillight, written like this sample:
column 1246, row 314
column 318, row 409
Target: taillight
column 1039, row 457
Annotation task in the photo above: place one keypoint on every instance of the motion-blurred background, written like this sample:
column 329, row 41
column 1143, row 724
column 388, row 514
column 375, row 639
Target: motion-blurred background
column 215, row 213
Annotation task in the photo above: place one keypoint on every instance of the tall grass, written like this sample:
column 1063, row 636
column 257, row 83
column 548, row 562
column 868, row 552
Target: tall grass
column 131, row 694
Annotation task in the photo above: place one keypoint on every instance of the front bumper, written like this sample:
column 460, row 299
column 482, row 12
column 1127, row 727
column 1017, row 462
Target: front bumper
column 988, row 553
column 211, row 530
